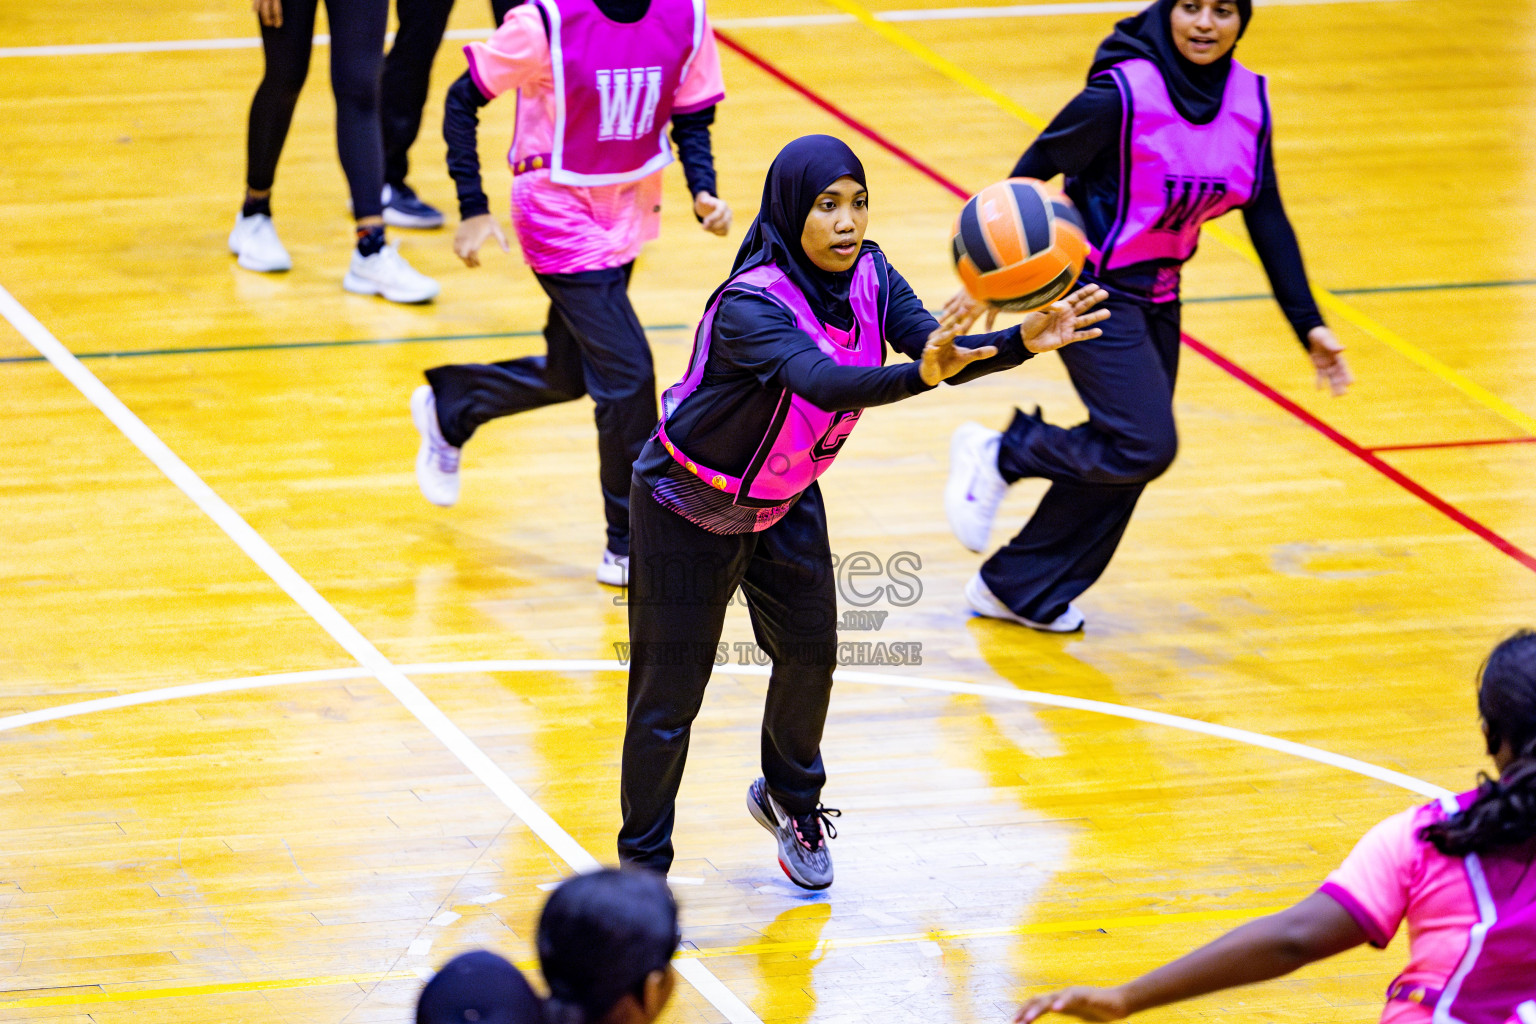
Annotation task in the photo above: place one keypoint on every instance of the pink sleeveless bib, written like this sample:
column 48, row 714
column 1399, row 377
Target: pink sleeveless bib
column 802, row 440
column 614, row 86
column 1495, row 982
column 1174, row 175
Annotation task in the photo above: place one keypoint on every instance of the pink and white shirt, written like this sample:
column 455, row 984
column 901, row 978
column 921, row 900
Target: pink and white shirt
column 1392, row 876
column 567, row 228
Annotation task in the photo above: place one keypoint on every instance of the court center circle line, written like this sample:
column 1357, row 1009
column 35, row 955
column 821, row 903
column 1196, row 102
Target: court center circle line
column 1036, row 697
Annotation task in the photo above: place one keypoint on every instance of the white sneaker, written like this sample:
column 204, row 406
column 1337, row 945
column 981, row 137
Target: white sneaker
column 255, row 241
column 386, row 273
column 613, row 569
column 984, row 602
column 437, row 461
column 975, row 488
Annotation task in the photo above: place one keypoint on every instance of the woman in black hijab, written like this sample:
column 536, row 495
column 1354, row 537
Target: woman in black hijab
column 788, row 353
column 1169, row 132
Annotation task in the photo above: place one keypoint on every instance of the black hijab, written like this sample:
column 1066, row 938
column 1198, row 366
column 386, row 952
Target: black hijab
column 1196, row 89
column 801, row 172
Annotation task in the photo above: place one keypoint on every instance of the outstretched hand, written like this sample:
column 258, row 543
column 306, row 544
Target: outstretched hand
column 942, row 358
column 475, row 232
column 1328, row 356
column 1065, row 320
column 1081, row 1002
column 963, row 302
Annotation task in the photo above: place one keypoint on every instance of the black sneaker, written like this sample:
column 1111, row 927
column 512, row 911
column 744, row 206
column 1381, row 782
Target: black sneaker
column 803, row 852
column 403, row 210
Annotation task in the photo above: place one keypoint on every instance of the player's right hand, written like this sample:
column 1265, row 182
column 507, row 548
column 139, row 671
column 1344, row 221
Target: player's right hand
column 713, row 212
column 473, row 233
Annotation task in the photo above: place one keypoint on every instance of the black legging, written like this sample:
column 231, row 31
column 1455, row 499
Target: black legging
column 408, row 73
column 681, row 579
column 357, row 59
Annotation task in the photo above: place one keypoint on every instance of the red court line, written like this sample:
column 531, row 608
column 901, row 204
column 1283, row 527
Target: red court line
column 1449, row 444
column 1366, row 455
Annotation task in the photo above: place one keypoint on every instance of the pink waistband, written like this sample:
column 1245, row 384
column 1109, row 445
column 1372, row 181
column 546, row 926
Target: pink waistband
column 716, row 479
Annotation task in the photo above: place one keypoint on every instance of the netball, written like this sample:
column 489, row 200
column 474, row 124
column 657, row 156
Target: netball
column 1019, row 244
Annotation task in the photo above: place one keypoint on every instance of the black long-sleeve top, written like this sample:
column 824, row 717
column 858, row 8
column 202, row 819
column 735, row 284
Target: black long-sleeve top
column 1082, row 143
column 757, row 352
column 461, row 125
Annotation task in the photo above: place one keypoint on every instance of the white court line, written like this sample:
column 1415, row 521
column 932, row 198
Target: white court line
column 1055, row 700
column 774, row 21
column 340, row 630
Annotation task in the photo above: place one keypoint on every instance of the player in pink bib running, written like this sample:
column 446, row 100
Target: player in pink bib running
column 1170, row 132
column 789, row 353
column 597, row 83
column 1460, row 872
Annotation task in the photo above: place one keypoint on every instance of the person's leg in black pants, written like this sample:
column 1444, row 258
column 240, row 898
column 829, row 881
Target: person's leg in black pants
column 792, row 598
column 1097, row 469
column 286, row 51
column 357, row 61
column 681, row 579
column 593, row 327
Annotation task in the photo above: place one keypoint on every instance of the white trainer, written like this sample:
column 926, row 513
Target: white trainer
column 975, row 488
column 255, row 241
column 984, row 602
column 437, row 461
column 386, row 273
column 613, row 569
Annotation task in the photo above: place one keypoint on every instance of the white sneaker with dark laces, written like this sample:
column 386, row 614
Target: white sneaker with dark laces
column 255, row 241
column 613, row 569
column 437, row 461
column 984, row 602
column 386, row 273
column 802, row 838
column 975, row 488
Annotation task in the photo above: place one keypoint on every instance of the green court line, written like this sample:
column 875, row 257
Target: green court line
column 274, row 346
column 217, row 349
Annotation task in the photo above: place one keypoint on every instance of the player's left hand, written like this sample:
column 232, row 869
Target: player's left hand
column 942, row 358
column 963, row 301
column 1328, row 356
column 713, row 212
column 1065, row 320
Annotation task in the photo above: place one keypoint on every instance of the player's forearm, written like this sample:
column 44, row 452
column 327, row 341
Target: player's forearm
column 461, row 131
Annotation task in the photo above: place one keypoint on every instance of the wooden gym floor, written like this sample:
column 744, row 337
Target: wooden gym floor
column 234, row 799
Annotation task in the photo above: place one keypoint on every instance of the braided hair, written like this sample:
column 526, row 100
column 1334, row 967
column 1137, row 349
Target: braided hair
column 601, row 935
column 1504, row 811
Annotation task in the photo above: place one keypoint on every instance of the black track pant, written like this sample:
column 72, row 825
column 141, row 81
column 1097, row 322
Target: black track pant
column 357, row 56
column 1097, row 469
column 408, row 74
column 594, row 346
column 681, row 580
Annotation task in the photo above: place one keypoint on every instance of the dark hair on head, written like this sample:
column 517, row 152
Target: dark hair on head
column 600, row 936
column 1504, row 811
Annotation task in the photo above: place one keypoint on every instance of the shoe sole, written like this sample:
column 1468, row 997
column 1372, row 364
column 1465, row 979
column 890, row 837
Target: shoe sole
column 618, row 579
column 419, row 414
column 363, row 286
column 405, row 220
column 952, row 491
column 760, row 815
column 972, row 599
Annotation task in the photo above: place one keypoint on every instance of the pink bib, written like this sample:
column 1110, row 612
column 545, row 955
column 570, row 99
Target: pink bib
column 614, row 86
column 802, row 439
column 1174, row 175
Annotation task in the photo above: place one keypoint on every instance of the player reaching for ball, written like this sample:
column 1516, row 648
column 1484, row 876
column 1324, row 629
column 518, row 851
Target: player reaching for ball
column 1169, row 133
column 788, row 354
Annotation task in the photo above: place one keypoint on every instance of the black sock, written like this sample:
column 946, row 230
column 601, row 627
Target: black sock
column 254, row 206
column 370, row 240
